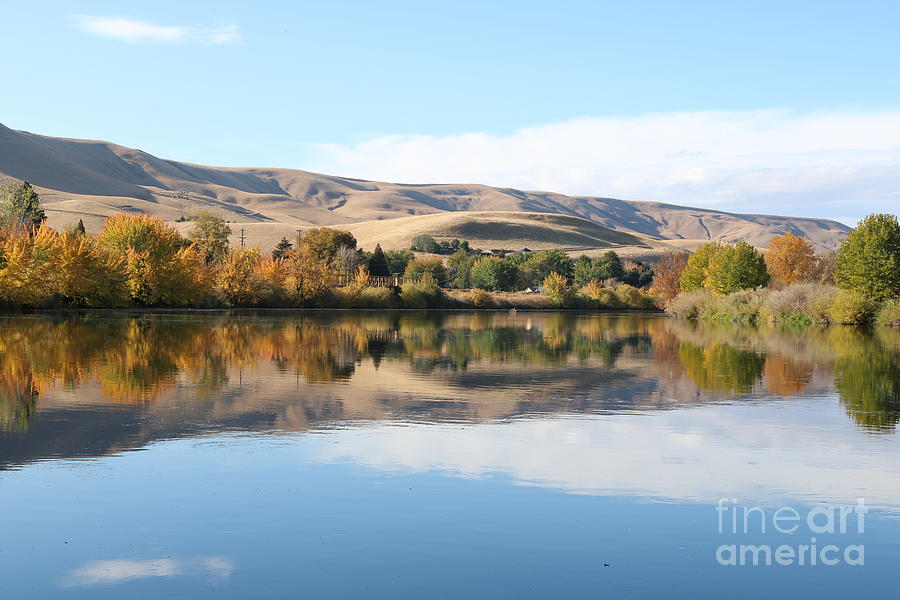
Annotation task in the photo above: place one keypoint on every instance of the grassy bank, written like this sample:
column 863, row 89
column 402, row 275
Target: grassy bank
column 800, row 304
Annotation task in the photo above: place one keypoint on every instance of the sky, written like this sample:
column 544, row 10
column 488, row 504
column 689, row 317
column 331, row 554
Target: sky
column 775, row 107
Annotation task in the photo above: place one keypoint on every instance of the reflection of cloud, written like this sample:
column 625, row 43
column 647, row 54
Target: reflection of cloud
column 769, row 454
column 108, row 572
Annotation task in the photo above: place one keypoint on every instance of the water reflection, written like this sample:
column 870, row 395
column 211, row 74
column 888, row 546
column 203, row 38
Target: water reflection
column 294, row 372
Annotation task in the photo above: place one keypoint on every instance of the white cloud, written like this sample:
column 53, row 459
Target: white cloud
column 766, row 160
column 133, row 31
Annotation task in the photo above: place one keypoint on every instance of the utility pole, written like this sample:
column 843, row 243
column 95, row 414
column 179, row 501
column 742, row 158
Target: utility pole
column 242, row 238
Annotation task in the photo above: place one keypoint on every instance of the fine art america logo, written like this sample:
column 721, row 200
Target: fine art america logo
column 812, row 535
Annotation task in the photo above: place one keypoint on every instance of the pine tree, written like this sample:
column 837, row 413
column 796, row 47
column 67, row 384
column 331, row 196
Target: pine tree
column 79, row 229
column 281, row 248
column 378, row 265
column 21, row 206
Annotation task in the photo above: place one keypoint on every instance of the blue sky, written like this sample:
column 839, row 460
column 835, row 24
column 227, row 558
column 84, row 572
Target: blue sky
column 536, row 95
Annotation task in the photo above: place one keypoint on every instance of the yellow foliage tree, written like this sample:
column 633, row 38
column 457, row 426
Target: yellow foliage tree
column 87, row 275
column 790, row 259
column 27, row 266
column 308, row 277
column 242, row 278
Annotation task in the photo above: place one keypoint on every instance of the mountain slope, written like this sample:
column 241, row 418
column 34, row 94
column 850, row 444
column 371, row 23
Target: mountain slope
column 93, row 179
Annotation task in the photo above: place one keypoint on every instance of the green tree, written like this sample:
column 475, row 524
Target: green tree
column 609, row 266
column 736, row 267
column 544, row 262
column 324, row 242
column 693, row 276
column 210, row 232
column 378, row 264
column 281, row 248
column 583, row 270
column 640, row 275
column 424, row 243
column 869, row 259
column 20, row 206
column 461, row 263
column 493, row 274
column 398, row 259
column 417, row 268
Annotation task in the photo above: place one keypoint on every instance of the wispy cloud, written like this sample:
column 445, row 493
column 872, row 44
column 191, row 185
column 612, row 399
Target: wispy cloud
column 830, row 164
column 133, row 31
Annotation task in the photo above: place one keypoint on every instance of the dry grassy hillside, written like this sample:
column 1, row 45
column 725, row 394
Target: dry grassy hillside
column 93, row 179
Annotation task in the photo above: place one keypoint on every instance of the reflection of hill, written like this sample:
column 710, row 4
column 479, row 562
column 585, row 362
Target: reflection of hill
column 90, row 385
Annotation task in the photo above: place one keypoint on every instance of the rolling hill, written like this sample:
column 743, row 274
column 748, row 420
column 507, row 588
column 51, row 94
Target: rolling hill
column 94, row 179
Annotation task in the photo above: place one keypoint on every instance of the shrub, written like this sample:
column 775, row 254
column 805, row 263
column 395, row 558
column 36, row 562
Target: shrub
column 889, row 313
column 482, row 299
column 632, row 297
column 799, row 304
column 743, row 306
column 557, row 290
column 852, row 307
column 689, row 305
column 422, row 293
column 868, row 261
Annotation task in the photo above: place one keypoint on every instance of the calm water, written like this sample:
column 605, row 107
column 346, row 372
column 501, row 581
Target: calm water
column 393, row 455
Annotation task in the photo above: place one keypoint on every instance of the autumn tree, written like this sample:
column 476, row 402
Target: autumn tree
column 210, row 232
column 869, row 259
column 667, row 274
column 308, row 277
column 241, row 278
column 790, row 259
column 693, row 276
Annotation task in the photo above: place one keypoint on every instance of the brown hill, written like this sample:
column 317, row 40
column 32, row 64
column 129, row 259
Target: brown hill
column 93, row 179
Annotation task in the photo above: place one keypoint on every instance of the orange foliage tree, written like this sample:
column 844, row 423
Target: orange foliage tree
column 790, row 259
column 667, row 275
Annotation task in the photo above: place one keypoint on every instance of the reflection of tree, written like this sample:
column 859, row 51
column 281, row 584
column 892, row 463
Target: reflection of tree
column 867, row 378
column 722, row 368
column 786, row 377
column 18, row 402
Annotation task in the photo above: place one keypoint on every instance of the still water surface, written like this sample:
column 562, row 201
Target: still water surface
column 348, row 455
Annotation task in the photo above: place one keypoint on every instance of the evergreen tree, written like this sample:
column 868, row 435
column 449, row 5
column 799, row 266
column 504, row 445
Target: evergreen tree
column 609, row 266
column 281, row 248
column 378, row 264
column 21, row 206
column 79, row 229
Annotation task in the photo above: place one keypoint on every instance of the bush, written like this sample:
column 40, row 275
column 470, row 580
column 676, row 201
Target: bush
column 482, row 299
column 889, row 313
column 689, row 305
column 631, row 297
column 422, row 293
column 799, row 304
column 557, row 290
column 852, row 307
column 743, row 306
column 370, row 297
